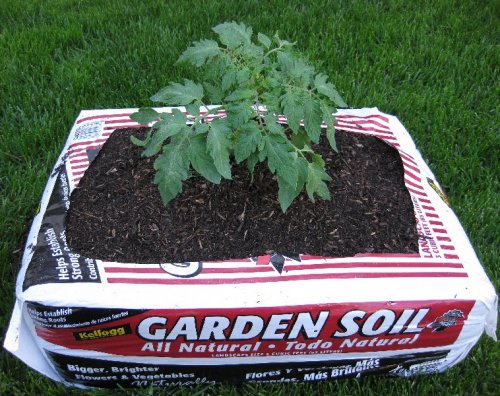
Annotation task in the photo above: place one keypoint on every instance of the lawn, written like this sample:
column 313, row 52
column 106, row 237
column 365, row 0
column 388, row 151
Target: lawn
column 434, row 64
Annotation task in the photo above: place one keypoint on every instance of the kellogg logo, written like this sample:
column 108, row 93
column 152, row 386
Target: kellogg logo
column 102, row 333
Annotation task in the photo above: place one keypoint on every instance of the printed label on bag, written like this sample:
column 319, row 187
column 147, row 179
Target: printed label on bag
column 259, row 332
column 106, row 373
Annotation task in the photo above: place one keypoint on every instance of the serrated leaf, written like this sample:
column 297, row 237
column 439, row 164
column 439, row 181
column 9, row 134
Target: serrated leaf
column 312, row 118
column 179, row 94
column 300, row 140
column 193, row 109
column 280, row 160
column 199, row 52
column 239, row 114
column 330, row 129
column 291, row 103
column 328, row 89
column 247, row 141
column 218, row 145
column 201, row 128
column 315, row 184
column 286, row 194
column 264, row 40
column 214, row 93
column 233, row 34
column 139, row 142
column 240, row 94
column 251, row 161
column 172, row 168
column 250, row 52
column 145, row 115
column 201, row 161
column 330, row 135
column 273, row 126
column 170, row 125
column 228, row 79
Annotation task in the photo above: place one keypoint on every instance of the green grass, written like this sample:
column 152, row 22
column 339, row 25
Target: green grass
column 434, row 64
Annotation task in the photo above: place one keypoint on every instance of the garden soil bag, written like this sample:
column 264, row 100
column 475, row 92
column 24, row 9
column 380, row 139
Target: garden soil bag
column 270, row 318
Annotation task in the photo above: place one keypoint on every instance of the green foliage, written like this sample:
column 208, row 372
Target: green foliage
column 255, row 81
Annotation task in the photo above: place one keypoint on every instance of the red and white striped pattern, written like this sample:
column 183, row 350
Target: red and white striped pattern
column 309, row 268
column 375, row 125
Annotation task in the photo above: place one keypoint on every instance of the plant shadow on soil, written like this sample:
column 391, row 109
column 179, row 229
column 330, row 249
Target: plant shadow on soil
column 116, row 212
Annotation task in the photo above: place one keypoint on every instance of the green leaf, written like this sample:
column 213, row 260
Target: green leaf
column 172, row 168
column 300, row 140
column 312, row 118
column 250, row 52
column 240, row 94
column 330, row 135
column 328, row 89
column 233, row 34
column 228, row 79
column 286, row 193
column 247, row 141
column 201, row 161
column 264, row 40
column 201, row 128
column 145, row 115
column 170, row 125
column 315, row 184
column 273, row 126
column 139, row 142
column 239, row 113
column 193, row 109
column 330, row 129
column 291, row 102
column 218, row 145
column 199, row 52
column 179, row 94
column 251, row 161
column 214, row 93
column 280, row 160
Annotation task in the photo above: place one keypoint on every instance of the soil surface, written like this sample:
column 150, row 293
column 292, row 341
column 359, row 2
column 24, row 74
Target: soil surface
column 116, row 213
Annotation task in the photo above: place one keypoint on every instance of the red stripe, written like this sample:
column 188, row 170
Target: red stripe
column 429, row 214
column 409, row 166
column 138, row 270
column 416, row 192
column 89, row 141
column 136, row 126
column 447, row 247
column 80, row 173
column 82, row 166
column 273, row 279
column 376, row 132
column 408, row 158
column 415, row 185
column 75, row 160
column 443, row 238
column 450, row 256
column 120, row 120
column 102, row 116
column 435, row 222
column 357, row 122
column 302, row 267
column 381, row 117
column 427, row 207
column 413, row 176
column 291, row 267
column 409, row 255
column 423, row 200
column 440, row 230
column 84, row 149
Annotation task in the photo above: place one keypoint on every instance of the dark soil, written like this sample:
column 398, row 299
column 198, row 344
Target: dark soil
column 116, row 212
